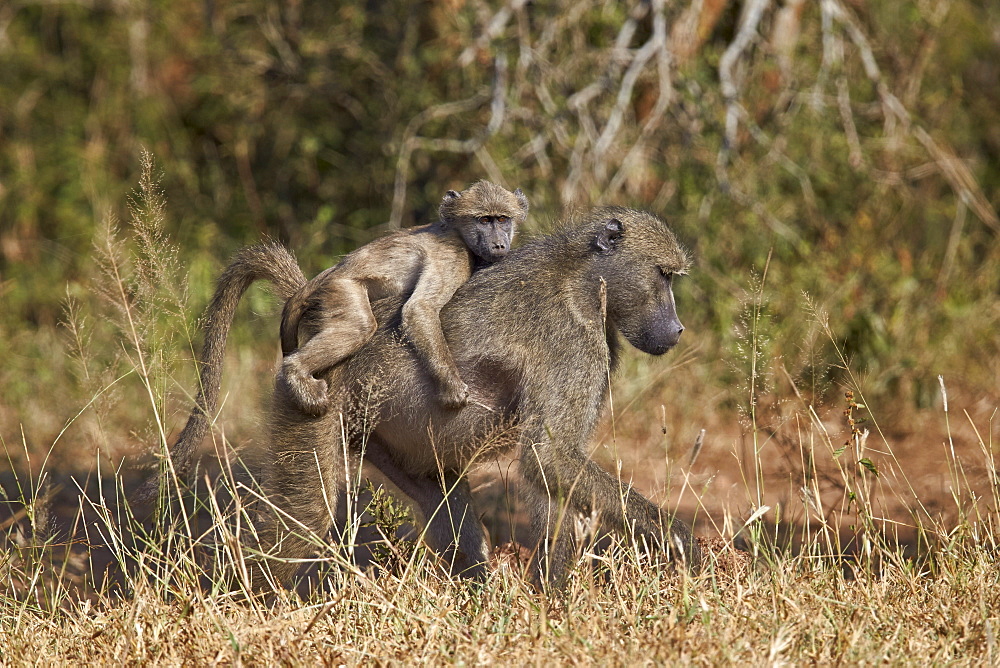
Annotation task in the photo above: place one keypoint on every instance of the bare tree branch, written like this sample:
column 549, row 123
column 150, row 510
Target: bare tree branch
column 411, row 141
column 752, row 14
column 955, row 171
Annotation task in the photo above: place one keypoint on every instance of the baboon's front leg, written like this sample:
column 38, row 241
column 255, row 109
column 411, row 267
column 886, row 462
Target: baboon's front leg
column 561, row 476
column 454, row 529
column 421, row 323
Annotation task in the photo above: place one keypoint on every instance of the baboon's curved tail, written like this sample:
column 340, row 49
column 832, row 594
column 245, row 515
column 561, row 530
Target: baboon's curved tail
column 290, row 317
column 269, row 260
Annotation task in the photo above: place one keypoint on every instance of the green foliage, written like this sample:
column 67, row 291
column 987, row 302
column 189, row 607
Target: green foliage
column 295, row 120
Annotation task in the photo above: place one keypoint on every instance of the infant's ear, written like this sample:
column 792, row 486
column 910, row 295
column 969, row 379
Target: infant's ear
column 522, row 201
column 445, row 212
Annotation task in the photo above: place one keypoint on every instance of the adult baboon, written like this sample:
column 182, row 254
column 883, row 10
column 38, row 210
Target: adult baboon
column 332, row 313
column 535, row 336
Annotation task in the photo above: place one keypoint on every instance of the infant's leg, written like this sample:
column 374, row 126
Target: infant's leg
column 343, row 324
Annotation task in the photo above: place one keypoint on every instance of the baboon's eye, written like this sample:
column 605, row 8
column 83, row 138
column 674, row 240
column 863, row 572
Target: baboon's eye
column 666, row 273
column 485, row 219
column 501, row 219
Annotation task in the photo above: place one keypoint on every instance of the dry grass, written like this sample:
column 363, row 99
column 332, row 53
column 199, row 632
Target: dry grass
column 836, row 587
column 783, row 608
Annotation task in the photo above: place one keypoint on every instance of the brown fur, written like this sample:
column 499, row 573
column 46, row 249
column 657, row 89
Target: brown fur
column 535, row 337
column 332, row 313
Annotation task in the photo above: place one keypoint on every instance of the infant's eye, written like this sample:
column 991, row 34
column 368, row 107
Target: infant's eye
column 485, row 219
column 501, row 219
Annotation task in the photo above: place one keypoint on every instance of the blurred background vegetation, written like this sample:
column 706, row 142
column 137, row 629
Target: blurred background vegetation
column 837, row 157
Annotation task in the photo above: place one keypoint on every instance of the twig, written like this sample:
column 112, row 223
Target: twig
column 752, row 15
column 855, row 157
column 495, row 27
column 764, row 140
column 952, row 250
column 960, row 179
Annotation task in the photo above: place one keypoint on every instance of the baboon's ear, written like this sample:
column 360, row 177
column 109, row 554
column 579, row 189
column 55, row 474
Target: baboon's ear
column 522, row 201
column 609, row 235
column 444, row 209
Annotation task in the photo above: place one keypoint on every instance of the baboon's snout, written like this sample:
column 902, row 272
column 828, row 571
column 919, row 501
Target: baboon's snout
column 663, row 334
column 673, row 333
column 498, row 249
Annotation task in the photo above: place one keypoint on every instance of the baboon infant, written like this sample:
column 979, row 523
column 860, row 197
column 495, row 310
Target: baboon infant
column 330, row 317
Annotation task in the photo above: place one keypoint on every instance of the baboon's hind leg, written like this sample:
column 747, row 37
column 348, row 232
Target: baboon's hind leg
column 451, row 526
column 301, row 492
column 347, row 323
column 291, row 531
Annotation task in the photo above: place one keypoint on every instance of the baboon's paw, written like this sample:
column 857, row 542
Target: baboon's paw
column 312, row 396
column 455, row 396
column 309, row 394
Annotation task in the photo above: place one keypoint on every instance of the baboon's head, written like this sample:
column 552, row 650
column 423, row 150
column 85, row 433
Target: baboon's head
column 639, row 257
column 486, row 216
